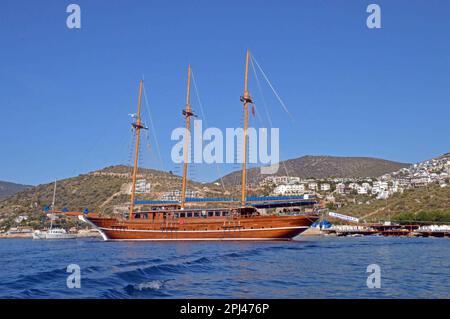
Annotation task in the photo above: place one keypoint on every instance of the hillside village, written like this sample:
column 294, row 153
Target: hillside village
column 436, row 170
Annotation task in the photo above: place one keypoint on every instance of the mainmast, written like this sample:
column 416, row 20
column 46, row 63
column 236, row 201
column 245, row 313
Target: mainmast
column 245, row 99
column 137, row 128
column 53, row 206
column 187, row 113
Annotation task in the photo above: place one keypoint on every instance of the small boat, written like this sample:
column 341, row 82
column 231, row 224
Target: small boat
column 53, row 233
column 355, row 235
column 433, row 231
column 352, row 230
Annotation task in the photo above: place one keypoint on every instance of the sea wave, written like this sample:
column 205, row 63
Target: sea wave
column 310, row 268
column 149, row 285
column 152, row 288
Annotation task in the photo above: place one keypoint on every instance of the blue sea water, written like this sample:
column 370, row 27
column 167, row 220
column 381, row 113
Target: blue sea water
column 311, row 267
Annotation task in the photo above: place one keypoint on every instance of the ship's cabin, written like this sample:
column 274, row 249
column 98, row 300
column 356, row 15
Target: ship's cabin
column 162, row 213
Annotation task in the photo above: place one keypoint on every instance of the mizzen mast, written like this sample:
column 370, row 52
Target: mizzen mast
column 53, row 206
column 137, row 128
column 187, row 113
column 245, row 99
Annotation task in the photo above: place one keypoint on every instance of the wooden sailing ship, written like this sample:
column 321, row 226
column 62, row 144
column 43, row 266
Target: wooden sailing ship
column 207, row 218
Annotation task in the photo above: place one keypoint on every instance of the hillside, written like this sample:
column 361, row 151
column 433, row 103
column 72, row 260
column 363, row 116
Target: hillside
column 323, row 167
column 430, row 203
column 7, row 189
column 98, row 191
column 426, row 197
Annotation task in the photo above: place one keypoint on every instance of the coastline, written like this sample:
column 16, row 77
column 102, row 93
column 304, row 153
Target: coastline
column 27, row 235
column 88, row 234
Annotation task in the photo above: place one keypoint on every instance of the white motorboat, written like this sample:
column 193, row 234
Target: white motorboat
column 53, row 233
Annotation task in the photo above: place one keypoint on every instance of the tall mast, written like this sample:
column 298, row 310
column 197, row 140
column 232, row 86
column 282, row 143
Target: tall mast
column 137, row 128
column 53, row 205
column 187, row 114
column 245, row 99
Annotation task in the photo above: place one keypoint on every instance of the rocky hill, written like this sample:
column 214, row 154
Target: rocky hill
column 425, row 194
column 323, row 167
column 7, row 189
column 98, row 191
column 430, row 203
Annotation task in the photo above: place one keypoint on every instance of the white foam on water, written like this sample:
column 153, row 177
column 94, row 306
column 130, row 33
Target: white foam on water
column 150, row 285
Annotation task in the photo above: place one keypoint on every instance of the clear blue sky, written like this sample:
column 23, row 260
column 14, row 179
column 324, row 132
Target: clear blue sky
column 65, row 94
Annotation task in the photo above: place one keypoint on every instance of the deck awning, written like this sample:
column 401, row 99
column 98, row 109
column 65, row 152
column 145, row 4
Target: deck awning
column 259, row 202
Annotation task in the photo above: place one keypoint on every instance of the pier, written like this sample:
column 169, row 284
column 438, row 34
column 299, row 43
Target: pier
column 396, row 230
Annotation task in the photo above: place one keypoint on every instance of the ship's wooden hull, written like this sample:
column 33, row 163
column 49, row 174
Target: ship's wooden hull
column 250, row 228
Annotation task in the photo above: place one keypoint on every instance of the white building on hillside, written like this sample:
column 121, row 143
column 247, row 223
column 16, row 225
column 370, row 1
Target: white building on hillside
column 340, row 188
column 279, row 180
column 362, row 190
column 176, row 194
column 142, row 186
column 20, row 218
column 379, row 186
column 383, row 195
column 290, row 189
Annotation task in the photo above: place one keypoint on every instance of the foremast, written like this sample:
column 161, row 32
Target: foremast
column 246, row 100
column 187, row 113
column 137, row 126
column 53, row 205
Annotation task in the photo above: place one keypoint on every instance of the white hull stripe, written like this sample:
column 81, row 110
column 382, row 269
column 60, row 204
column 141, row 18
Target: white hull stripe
column 201, row 231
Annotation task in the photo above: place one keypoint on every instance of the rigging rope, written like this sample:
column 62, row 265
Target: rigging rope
column 204, row 118
column 149, row 146
column 130, row 153
column 266, row 108
column 273, row 89
column 153, row 127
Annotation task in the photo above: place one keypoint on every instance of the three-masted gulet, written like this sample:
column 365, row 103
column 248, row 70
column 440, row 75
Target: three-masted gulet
column 205, row 218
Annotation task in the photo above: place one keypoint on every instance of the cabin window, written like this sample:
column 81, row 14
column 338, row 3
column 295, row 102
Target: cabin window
column 218, row 214
column 189, row 214
column 226, row 213
column 182, row 215
column 210, row 214
column 196, row 214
